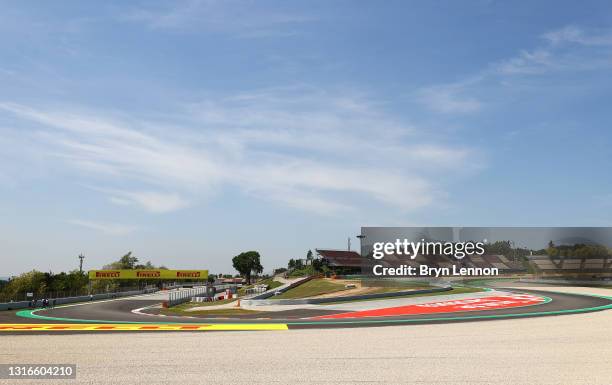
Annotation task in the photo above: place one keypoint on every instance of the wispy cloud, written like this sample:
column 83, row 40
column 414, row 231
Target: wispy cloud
column 564, row 50
column 526, row 62
column 567, row 49
column 448, row 99
column 237, row 18
column 107, row 228
column 152, row 201
column 575, row 34
column 312, row 149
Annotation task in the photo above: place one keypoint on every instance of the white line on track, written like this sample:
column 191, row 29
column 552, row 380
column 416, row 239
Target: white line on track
column 98, row 301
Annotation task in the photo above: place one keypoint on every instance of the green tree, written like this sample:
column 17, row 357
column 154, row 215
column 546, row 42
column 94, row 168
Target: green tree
column 127, row 262
column 147, row 265
column 32, row 281
column 309, row 257
column 247, row 263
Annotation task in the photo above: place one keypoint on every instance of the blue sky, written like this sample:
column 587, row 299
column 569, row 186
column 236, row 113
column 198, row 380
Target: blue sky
column 190, row 131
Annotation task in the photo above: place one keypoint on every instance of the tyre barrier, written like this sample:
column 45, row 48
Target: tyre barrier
column 179, row 297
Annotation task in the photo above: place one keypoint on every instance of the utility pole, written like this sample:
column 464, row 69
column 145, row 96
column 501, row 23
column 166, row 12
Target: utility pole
column 81, row 257
column 361, row 237
column 349, row 243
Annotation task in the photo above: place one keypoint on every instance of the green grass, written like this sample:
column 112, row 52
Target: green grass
column 311, row 288
column 230, row 311
column 303, row 272
column 272, row 284
column 183, row 309
column 454, row 290
column 382, row 290
column 189, row 305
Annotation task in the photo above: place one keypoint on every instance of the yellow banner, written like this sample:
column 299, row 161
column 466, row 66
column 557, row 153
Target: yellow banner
column 148, row 274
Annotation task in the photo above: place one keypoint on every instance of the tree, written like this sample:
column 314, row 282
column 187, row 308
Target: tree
column 147, row 265
column 127, row 262
column 299, row 264
column 32, row 281
column 319, row 265
column 291, row 264
column 309, row 257
column 247, row 263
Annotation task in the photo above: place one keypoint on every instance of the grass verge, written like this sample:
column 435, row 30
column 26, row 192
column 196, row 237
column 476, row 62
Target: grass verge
column 184, row 309
column 229, row 312
column 272, row 284
column 311, row 288
column 188, row 305
column 454, row 290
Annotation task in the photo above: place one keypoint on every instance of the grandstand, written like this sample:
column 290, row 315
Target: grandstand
column 341, row 261
column 570, row 265
column 351, row 262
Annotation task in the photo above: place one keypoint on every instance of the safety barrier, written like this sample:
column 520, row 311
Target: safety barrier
column 66, row 300
column 182, row 296
column 304, row 301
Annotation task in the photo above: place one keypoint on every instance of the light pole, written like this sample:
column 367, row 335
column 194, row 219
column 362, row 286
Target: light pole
column 81, row 258
column 361, row 237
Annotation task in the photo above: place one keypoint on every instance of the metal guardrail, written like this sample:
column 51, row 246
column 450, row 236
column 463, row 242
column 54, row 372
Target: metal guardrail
column 182, row 296
column 66, row 300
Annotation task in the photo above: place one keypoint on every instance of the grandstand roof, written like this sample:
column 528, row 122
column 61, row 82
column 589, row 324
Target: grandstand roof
column 343, row 258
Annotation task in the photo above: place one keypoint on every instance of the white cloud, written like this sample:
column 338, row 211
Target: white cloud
column 107, row 228
column 448, row 99
column 237, row 18
column 567, row 49
column 152, row 201
column 526, row 62
column 574, row 34
column 564, row 50
column 310, row 149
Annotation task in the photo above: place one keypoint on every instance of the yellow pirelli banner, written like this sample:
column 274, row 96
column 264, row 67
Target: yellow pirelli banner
column 148, row 274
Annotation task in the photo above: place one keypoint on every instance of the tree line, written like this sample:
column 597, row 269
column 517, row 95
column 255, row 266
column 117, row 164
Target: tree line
column 73, row 283
column 578, row 250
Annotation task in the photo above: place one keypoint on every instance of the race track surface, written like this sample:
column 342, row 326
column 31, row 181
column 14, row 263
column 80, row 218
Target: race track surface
column 119, row 311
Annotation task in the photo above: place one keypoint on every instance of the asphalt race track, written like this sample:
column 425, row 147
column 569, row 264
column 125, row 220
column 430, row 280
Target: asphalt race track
column 115, row 315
